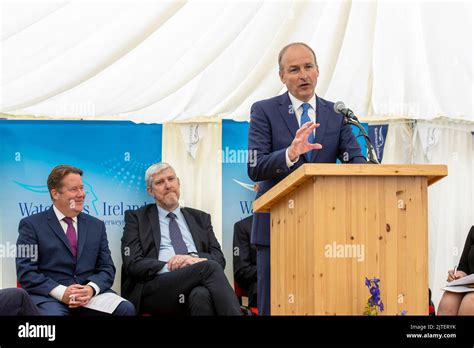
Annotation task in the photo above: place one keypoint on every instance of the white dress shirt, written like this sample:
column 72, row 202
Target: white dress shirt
column 298, row 110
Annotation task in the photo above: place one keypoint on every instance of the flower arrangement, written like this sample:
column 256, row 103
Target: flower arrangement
column 374, row 304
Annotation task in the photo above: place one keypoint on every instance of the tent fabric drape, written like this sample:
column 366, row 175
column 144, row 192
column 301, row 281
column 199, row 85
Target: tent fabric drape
column 193, row 150
column 163, row 61
column 450, row 201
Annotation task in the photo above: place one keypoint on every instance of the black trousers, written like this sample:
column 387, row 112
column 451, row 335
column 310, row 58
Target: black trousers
column 198, row 289
column 16, row 302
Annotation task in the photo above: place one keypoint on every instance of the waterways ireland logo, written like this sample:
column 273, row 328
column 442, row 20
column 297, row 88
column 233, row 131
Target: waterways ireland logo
column 44, row 189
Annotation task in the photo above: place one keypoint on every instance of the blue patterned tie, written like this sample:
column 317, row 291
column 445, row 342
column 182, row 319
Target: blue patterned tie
column 176, row 237
column 305, row 118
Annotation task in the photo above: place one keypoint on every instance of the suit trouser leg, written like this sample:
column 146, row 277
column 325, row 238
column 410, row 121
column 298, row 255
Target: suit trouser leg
column 200, row 302
column 263, row 279
column 125, row 308
column 169, row 293
column 16, row 302
column 55, row 308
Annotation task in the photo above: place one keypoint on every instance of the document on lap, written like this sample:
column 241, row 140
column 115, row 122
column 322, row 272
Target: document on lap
column 107, row 302
column 464, row 284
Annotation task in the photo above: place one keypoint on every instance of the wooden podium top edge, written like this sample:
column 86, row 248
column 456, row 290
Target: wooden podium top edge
column 433, row 172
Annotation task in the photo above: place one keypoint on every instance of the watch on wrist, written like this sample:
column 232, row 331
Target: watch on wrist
column 193, row 254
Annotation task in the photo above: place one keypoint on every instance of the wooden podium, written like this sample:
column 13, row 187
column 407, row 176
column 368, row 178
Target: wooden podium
column 333, row 225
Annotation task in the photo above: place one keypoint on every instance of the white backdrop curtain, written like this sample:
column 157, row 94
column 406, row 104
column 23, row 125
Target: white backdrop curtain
column 193, row 150
column 156, row 61
column 450, row 201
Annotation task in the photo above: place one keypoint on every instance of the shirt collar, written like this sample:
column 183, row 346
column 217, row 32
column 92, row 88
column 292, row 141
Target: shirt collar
column 61, row 216
column 164, row 213
column 297, row 103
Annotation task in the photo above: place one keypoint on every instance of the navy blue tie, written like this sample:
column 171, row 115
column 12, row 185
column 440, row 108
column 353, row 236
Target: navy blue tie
column 305, row 118
column 176, row 237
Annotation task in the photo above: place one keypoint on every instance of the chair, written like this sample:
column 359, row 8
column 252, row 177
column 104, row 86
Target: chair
column 431, row 307
column 241, row 292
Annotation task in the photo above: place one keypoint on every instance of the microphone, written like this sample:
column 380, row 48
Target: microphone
column 340, row 108
column 350, row 118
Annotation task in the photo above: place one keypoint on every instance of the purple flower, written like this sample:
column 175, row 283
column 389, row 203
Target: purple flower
column 374, row 289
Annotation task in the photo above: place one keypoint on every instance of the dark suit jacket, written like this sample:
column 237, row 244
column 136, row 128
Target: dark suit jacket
column 273, row 126
column 245, row 262
column 56, row 265
column 141, row 245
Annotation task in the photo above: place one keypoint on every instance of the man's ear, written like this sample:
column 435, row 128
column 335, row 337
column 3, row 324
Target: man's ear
column 282, row 77
column 54, row 194
column 148, row 189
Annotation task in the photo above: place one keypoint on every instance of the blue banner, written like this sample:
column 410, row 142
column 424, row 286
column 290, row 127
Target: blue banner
column 360, row 137
column 378, row 134
column 237, row 188
column 113, row 155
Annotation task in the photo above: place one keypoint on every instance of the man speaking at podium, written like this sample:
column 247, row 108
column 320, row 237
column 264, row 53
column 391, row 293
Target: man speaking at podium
column 287, row 131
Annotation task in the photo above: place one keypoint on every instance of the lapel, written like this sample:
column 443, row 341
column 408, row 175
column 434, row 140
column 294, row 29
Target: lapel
column 288, row 114
column 82, row 230
column 154, row 221
column 322, row 117
column 194, row 228
column 53, row 222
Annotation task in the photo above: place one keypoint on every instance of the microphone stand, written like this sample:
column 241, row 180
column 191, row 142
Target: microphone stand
column 372, row 157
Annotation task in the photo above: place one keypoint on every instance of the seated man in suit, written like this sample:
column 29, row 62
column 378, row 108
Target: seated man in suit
column 73, row 263
column 15, row 301
column 245, row 259
column 172, row 262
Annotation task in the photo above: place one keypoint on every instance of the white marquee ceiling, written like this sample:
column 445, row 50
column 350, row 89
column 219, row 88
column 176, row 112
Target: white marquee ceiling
column 157, row 61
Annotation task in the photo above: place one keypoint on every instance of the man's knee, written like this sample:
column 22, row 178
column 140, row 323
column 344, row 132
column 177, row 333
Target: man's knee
column 213, row 266
column 125, row 308
column 208, row 267
column 13, row 297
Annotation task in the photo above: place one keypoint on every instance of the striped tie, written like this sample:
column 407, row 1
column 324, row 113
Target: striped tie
column 176, row 237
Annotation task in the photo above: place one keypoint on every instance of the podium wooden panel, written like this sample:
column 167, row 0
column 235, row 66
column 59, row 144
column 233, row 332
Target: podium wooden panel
column 332, row 225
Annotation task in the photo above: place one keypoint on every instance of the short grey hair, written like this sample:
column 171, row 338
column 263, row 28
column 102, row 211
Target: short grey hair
column 283, row 50
column 155, row 169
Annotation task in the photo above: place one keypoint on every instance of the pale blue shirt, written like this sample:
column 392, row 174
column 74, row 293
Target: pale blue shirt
column 166, row 248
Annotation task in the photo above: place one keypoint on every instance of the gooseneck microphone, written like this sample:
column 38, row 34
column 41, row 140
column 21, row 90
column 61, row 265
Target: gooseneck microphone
column 350, row 118
column 340, row 108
